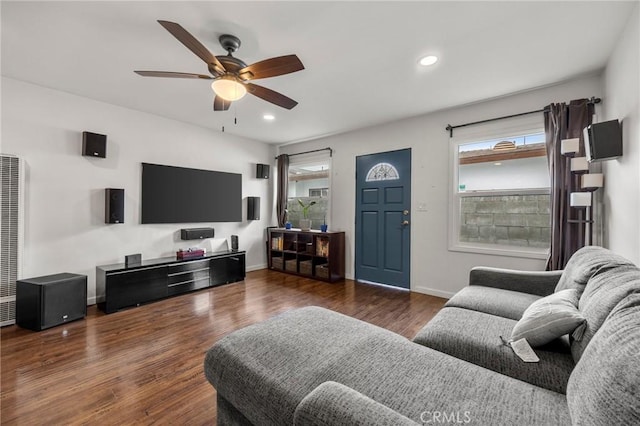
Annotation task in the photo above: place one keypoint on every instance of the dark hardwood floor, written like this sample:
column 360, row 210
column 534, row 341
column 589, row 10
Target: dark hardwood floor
column 144, row 365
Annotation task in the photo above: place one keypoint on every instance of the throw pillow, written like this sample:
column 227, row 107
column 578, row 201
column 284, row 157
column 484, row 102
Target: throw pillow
column 548, row 318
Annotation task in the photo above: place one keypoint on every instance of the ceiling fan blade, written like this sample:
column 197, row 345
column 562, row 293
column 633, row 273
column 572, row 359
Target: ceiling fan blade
column 271, row 67
column 271, row 96
column 172, row 74
column 220, row 104
column 193, row 44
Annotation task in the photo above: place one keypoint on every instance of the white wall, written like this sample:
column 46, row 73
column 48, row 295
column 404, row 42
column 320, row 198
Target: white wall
column 622, row 176
column 64, row 204
column 434, row 269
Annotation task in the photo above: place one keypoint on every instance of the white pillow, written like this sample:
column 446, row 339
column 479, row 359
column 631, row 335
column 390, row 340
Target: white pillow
column 551, row 317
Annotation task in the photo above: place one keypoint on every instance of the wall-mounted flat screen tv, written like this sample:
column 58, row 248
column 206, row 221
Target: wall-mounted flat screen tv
column 182, row 195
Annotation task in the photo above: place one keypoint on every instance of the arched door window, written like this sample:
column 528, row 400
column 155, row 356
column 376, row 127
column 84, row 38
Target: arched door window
column 382, row 171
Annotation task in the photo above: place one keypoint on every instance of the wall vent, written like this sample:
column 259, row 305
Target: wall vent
column 11, row 222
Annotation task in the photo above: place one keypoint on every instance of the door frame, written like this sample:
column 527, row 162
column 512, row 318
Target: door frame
column 357, row 226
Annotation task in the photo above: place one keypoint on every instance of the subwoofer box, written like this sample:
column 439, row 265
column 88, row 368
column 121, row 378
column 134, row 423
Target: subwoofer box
column 51, row 300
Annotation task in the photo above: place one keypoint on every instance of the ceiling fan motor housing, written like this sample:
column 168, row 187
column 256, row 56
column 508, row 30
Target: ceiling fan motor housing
column 231, row 64
column 229, row 42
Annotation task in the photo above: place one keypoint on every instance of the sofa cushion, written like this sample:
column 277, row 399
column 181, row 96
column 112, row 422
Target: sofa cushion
column 265, row 371
column 475, row 337
column 603, row 292
column 585, row 263
column 540, row 283
column 332, row 403
column 494, row 301
column 549, row 318
column 605, row 384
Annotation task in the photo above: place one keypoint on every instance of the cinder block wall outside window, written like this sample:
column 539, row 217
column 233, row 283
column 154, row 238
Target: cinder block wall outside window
column 317, row 212
column 514, row 220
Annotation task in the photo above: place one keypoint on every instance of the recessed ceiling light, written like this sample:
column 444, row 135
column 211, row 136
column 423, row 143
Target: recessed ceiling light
column 269, row 117
column 497, row 164
column 428, row 60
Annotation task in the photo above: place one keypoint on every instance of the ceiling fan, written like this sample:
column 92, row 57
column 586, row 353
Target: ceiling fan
column 231, row 76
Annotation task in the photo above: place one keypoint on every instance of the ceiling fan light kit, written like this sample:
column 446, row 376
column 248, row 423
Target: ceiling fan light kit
column 228, row 88
column 231, row 75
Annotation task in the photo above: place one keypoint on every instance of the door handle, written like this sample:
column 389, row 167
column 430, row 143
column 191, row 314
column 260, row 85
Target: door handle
column 405, row 222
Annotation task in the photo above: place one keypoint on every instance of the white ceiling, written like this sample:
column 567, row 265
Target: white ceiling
column 360, row 57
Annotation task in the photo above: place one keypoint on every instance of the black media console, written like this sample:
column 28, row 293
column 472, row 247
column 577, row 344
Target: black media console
column 156, row 279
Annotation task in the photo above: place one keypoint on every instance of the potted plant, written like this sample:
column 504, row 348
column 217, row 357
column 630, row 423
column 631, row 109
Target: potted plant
column 305, row 224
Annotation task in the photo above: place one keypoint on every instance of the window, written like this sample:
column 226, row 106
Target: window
column 319, row 192
column 309, row 180
column 382, row 171
column 500, row 201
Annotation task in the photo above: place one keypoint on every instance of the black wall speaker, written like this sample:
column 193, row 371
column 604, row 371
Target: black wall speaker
column 52, row 300
column 94, row 145
column 196, row 233
column 262, row 171
column 114, row 205
column 234, row 242
column 253, row 208
column 603, row 141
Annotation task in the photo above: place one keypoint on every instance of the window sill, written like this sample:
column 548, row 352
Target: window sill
column 496, row 250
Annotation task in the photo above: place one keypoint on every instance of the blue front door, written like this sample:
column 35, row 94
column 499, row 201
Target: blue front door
column 383, row 206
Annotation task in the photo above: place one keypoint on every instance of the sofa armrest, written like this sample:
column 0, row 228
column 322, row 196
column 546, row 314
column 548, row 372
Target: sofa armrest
column 540, row 283
column 334, row 404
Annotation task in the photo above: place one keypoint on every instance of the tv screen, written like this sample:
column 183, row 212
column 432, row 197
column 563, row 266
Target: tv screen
column 181, row 195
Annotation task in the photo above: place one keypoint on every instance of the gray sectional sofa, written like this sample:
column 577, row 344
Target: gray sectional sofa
column 312, row 366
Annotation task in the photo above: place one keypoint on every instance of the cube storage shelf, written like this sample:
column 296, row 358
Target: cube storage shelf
column 313, row 254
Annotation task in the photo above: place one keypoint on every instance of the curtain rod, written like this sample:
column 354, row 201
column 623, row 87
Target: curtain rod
column 313, row 150
column 450, row 128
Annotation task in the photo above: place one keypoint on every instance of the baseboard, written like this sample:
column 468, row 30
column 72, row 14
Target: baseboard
column 433, row 292
column 256, row 267
column 91, row 300
column 425, row 290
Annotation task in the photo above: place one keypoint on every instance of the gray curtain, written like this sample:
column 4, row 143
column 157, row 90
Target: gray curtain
column 562, row 121
column 283, row 189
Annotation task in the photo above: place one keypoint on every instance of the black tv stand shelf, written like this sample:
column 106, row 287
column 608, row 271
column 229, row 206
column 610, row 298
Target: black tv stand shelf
column 156, row 279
